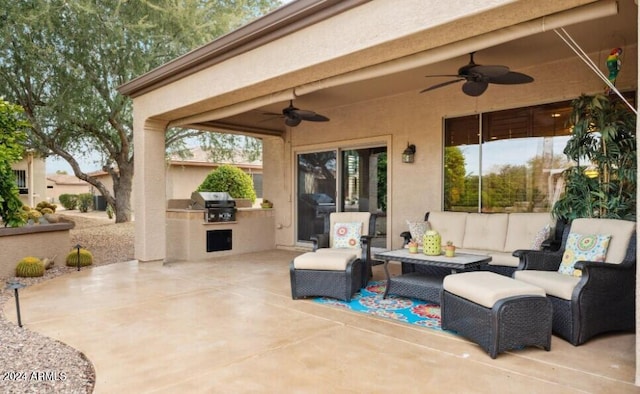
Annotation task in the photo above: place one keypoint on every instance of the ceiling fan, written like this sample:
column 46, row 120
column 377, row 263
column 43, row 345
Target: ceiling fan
column 294, row 116
column 477, row 78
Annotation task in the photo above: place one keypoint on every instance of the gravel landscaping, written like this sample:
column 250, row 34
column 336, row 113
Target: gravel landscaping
column 33, row 363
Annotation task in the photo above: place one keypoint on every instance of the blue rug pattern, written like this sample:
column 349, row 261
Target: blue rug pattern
column 369, row 300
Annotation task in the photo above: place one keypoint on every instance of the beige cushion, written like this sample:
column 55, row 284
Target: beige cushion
column 346, row 217
column 553, row 282
column 522, row 229
column 357, row 252
column 620, row 231
column 485, row 231
column 497, row 258
column 504, row 259
column 323, row 261
column 450, row 226
column 487, row 288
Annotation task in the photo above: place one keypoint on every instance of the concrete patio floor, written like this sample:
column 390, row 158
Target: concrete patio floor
column 230, row 325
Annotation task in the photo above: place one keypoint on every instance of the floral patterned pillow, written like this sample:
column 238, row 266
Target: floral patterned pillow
column 580, row 247
column 417, row 230
column 347, row 235
column 540, row 237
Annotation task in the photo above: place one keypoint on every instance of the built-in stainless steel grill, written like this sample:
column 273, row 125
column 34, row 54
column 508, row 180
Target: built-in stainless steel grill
column 218, row 206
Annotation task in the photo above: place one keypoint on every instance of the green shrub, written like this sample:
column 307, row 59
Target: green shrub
column 30, row 267
column 13, row 128
column 85, row 202
column 86, row 258
column 69, row 201
column 230, row 179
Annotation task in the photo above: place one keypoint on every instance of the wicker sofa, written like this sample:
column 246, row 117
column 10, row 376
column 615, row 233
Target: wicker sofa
column 500, row 235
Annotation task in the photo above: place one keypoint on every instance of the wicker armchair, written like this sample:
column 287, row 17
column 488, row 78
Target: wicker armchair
column 599, row 301
column 323, row 243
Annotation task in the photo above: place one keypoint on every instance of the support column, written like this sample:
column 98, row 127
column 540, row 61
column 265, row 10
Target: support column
column 149, row 190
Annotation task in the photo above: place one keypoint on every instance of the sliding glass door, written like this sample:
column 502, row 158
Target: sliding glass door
column 316, row 192
column 341, row 180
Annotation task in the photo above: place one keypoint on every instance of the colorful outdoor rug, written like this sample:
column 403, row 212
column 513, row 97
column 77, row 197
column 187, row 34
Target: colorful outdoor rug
column 369, row 300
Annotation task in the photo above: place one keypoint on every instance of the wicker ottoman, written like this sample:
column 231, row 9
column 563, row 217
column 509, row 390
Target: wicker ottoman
column 336, row 275
column 496, row 312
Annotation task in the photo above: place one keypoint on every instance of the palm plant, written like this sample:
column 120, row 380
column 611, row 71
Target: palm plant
column 603, row 146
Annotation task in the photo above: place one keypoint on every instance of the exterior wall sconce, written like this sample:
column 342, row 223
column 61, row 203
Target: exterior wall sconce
column 409, row 154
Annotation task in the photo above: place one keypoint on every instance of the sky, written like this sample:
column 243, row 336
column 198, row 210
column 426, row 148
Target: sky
column 55, row 164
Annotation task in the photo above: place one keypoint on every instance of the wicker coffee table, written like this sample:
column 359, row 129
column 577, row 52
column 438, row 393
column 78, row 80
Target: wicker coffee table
column 423, row 286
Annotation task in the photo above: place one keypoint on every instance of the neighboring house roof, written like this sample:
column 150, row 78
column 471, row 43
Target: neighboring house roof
column 201, row 158
column 65, row 179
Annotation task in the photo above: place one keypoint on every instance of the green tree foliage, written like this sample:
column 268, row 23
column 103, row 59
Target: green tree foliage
column 12, row 137
column 382, row 181
column 230, row 179
column 603, row 138
column 62, row 61
column 454, row 173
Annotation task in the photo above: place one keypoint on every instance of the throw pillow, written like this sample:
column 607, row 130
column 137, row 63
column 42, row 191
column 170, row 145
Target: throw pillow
column 540, row 237
column 347, row 235
column 417, row 230
column 581, row 247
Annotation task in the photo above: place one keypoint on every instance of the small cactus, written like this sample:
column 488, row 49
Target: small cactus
column 45, row 211
column 34, row 215
column 86, row 258
column 45, row 205
column 29, row 267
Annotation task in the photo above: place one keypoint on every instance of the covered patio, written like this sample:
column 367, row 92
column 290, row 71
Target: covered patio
column 362, row 63
column 230, row 325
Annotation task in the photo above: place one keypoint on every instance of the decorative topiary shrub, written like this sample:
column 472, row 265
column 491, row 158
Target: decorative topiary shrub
column 230, row 179
column 86, row 258
column 30, row 267
column 69, row 201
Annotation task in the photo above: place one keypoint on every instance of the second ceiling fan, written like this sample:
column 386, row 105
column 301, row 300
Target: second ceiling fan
column 294, row 116
column 478, row 77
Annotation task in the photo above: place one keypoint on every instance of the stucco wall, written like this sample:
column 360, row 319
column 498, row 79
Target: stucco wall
column 187, row 233
column 52, row 240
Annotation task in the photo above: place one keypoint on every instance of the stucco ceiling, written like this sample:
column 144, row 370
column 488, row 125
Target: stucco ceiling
column 595, row 37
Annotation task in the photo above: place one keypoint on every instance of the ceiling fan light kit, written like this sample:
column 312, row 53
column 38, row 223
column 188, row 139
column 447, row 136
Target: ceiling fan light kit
column 478, row 77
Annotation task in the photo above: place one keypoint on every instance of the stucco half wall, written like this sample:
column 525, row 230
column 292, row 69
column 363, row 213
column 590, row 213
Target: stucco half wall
column 42, row 241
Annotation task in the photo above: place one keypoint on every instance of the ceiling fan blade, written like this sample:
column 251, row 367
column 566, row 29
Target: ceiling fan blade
column 317, row 118
column 511, row 78
column 489, row 71
column 441, row 85
column 443, row 75
column 474, row 89
column 310, row 115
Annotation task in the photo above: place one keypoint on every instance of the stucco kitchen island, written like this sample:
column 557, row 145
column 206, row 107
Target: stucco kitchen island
column 191, row 238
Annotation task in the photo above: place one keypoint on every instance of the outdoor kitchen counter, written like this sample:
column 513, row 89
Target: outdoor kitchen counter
column 189, row 235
